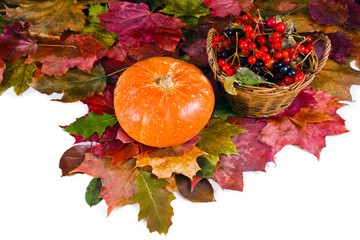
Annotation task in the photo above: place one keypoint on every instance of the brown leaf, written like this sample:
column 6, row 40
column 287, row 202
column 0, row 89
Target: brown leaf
column 202, row 192
column 164, row 164
column 336, row 79
column 72, row 158
column 49, row 18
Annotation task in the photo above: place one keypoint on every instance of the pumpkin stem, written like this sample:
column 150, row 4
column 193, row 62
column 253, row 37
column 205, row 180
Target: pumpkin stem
column 165, row 82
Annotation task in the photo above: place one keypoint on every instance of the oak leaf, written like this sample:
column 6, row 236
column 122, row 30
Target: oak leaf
column 224, row 8
column 136, row 25
column 18, row 75
column 201, row 192
column 75, row 84
column 16, row 42
column 164, row 164
column 72, row 158
column 94, row 123
column 72, row 50
column 118, row 181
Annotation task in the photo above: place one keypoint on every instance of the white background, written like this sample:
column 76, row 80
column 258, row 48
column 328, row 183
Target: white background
column 300, row 198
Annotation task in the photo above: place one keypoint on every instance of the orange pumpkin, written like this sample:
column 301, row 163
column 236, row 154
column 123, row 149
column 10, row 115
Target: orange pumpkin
column 163, row 102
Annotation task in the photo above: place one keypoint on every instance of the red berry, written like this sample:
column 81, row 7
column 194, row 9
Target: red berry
column 310, row 47
column 288, row 80
column 263, row 49
column 285, row 53
column 213, row 44
column 277, row 45
column 225, row 67
column 251, row 59
column 271, row 22
column 236, row 67
column 238, row 21
column 281, row 84
column 272, row 39
column 301, row 49
column 252, row 46
column 230, row 72
column 299, row 77
column 221, row 62
column 243, row 44
column 265, row 57
column 308, row 39
column 286, row 60
column 217, row 38
column 280, row 27
column 260, row 39
column 245, row 18
column 226, row 43
column 276, row 35
column 270, row 64
column 248, row 39
column 252, row 34
column 306, row 51
column 278, row 55
column 257, row 54
column 245, row 51
column 248, row 28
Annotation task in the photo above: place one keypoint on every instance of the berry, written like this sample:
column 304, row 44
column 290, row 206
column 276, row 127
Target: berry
column 225, row 54
column 308, row 39
column 221, row 62
column 280, row 27
column 217, row 38
column 252, row 34
column 276, row 35
column 278, row 65
column 306, row 51
column 248, row 28
column 263, row 49
column 299, row 77
column 265, row 57
column 272, row 39
column 238, row 21
column 277, row 45
column 255, row 69
column 225, row 67
column 257, row 54
column 230, row 72
column 251, row 59
column 271, row 22
column 260, row 40
column 213, row 44
column 291, row 72
column 288, row 80
column 281, row 84
column 278, row 55
column 248, row 39
column 245, row 18
column 243, row 44
column 239, row 32
column 310, row 47
column 259, row 63
column 283, row 70
column 243, row 61
column 252, row 46
column 226, row 43
column 245, row 51
column 229, row 32
column 286, row 60
column 285, row 53
column 301, row 49
column 270, row 64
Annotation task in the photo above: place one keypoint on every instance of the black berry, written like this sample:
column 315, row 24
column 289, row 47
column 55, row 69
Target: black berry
column 291, row 72
column 229, row 32
column 225, row 54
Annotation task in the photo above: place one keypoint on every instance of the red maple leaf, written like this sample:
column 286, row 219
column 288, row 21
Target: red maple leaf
column 72, row 50
column 135, row 25
column 101, row 104
column 16, row 42
column 224, row 8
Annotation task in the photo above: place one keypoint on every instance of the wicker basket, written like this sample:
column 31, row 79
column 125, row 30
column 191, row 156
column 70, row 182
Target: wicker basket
column 252, row 101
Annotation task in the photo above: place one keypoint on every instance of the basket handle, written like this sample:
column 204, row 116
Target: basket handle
column 211, row 53
column 326, row 54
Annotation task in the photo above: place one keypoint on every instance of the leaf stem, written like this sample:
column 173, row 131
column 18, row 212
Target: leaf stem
column 158, row 6
column 55, row 45
column 116, row 72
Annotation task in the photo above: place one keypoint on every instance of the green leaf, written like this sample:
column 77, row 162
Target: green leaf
column 229, row 85
column 207, row 169
column 101, row 34
column 154, row 201
column 223, row 109
column 151, row 3
column 2, row 20
column 17, row 75
column 94, row 123
column 96, row 9
column 186, row 8
column 93, row 192
column 215, row 139
column 75, row 83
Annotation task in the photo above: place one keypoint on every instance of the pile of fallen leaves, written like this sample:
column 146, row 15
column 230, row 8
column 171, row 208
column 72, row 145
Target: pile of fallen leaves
column 80, row 47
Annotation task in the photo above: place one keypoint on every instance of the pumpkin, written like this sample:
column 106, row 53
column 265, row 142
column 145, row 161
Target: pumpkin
column 163, row 102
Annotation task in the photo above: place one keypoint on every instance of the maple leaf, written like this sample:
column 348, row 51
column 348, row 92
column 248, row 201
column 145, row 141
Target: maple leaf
column 75, row 84
column 18, row 75
column 72, row 50
column 329, row 12
column 253, row 155
column 105, row 37
column 101, row 103
column 108, row 135
column 96, row 9
column 340, row 46
column 49, row 18
column 102, row 148
column 2, row 69
column 148, row 50
column 282, row 131
column 179, row 8
column 224, row 8
column 93, row 191
column 126, row 152
column 215, row 139
column 202, row 191
column 94, row 123
column 165, row 163
column 72, row 158
column 16, row 42
column 135, row 25
column 154, row 202
column 336, row 79
column 123, row 136
column 118, row 181
column 118, row 52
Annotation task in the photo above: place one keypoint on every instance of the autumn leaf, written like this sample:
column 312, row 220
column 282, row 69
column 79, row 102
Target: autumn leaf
column 123, row 136
column 101, row 103
column 224, row 8
column 126, row 152
column 96, row 9
column 336, row 79
column 202, row 191
column 72, row 158
column 18, row 75
column 253, row 155
column 49, row 18
column 2, row 69
column 118, row 181
column 72, row 50
column 148, row 50
column 340, row 46
column 101, row 34
column 329, row 12
column 93, row 191
column 223, row 109
column 164, row 164
column 136, row 25
column 75, row 84
column 16, row 42
column 154, row 202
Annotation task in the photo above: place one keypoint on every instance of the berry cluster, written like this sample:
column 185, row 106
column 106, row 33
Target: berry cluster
column 268, row 48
